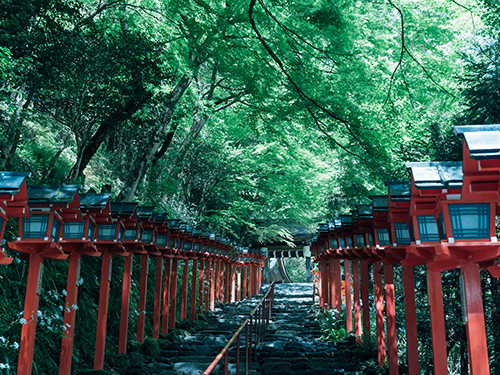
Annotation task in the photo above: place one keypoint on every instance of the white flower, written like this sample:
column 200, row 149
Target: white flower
column 64, row 328
column 68, row 310
column 64, row 292
column 75, row 307
column 39, row 313
column 4, row 365
column 16, row 345
column 68, row 325
column 61, row 307
column 23, row 321
column 3, row 339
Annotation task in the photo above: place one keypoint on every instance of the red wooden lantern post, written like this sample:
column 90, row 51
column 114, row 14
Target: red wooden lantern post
column 77, row 239
column 195, row 254
column 39, row 235
column 186, row 244
column 127, row 214
column 13, row 202
column 110, row 234
column 175, row 246
column 169, row 252
column 161, row 310
column 204, row 272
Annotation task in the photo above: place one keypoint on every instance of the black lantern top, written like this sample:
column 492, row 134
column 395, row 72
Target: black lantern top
column 14, row 194
column 483, row 141
column 399, row 191
column 94, row 201
column 145, row 213
column 365, row 211
column 11, row 182
column 346, row 220
column 160, row 218
column 124, row 208
column 380, row 203
column 437, row 175
column 323, row 228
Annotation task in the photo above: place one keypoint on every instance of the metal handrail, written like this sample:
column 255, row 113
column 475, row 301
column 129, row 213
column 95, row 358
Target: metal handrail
column 263, row 310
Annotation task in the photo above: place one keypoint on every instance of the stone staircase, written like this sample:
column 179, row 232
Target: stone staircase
column 292, row 343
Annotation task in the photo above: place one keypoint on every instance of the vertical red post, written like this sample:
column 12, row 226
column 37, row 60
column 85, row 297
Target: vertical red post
column 201, row 289
column 411, row 321
column 338, row 286
column 166, row 297
column 357, row 305
column 212, row 286
column 379, row 306
column 207, row 284
column 143, row 289
column 69, row 313
column 227, row 287
column 157, row 305
column 173, row 294
column 476, row 331
column 233, row 283
column 194, row 280
column 33, row 289
column 390, row 312
column 364, row 297
column 127, row 277
column 102, row 314
column 250, row 281
column 435, row 294
column 348, row 302
column 184, row 290
column 331, row 299
column 245, row 284
column 238, row 283
column 217, row 281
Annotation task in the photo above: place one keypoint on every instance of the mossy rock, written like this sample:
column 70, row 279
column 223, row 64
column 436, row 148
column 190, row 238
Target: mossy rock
column 187, row 325
column 94, row 372
column 119, row 361
column 134, row 346
column 150, row 347
column 173, row 337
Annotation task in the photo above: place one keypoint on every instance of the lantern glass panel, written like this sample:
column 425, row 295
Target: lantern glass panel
column 349, row 241
column 130, row 235
column 56, row 227
column 384, row 239
column 402, row 233
column 74, row 230
column 360, row 240
column 370, row 239
column 171, row 243
column 161, row 240
column 147, row 236
column 187, row 246
column 442, row 229
column 120, row 233
column 204, row 249
column 470, row 221
column 197, row 246
column 428, row 229
column 35, row 226
column 342, row 243
column 90, row 232
column 106, row 232
column 333, row 244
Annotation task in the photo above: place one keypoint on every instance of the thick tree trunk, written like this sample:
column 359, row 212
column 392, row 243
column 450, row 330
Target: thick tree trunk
column 144, row 159
column 139, row 97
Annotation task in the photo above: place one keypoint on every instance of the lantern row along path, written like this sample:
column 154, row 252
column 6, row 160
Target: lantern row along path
column 292, row 343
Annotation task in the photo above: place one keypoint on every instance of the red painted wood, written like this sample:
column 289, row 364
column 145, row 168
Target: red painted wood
column 173, row 294
column 207, row 284
column 238, row 283
column 212, row 286
column 390, row 312
column 102, row 314
column 250, row 282
column 435, row 293
column 217, row 281
column 379, row 306
column 201, row 286
column 26, row 348
column 143, row 289
column 348, row 302
column 357, row 305
column 476, row 332
column 227, row 286
column 245, row 284
column 338, row 287
column 157, row 305
column 411, row 322
column 69, row 314
column 194, row 280
column 330, row 299
column 364, row 297
column 184, row 290
column 233, row 284
column 166, row 297
column 127, row 277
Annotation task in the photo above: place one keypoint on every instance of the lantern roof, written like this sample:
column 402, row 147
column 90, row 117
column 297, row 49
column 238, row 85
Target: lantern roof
column 160, row 218
column 145, row 212
column 124, row 208
column 11, row 182
column 205, row 235
column 94, row 201
column 346, row 220
column 174, row 224
column 399, row 191
column 380, row 203
column 365, row 211
column 483, row 141
column 323, row 227
column 331, row 225
column 197, row 232
column 437, row 175
column 53, row 194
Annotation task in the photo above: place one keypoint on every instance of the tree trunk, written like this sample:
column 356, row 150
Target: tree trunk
column 144, row 159
column 138, row 98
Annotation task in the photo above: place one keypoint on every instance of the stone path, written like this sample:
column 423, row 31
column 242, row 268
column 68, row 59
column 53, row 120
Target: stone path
column 292, row 344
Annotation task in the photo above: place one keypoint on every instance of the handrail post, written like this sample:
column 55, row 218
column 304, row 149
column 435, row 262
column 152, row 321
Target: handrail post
column 238, row 354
